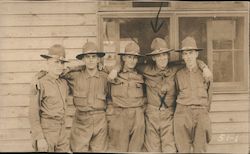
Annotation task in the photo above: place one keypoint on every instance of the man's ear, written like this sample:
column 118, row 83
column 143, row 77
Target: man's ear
column 83, row 61
column 196, row 54
column 98, row 59
column 153, row 58
column 123, row 58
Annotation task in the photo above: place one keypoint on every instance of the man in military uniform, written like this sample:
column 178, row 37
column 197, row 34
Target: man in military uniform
column 47, row 104
column 89, row 88
column 192, row 126
column 126, row 126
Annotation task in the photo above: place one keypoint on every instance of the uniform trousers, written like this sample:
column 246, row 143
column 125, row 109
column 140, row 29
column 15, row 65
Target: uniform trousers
column 126, row 130
column 159, row 135
column 54, row 132
column 192, row 128
column 89, row 132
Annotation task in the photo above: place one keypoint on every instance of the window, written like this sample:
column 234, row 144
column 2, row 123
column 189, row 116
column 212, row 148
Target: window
column 222, row 36
column 222, row 39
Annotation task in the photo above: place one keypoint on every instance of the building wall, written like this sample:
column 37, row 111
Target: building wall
column 27, row 29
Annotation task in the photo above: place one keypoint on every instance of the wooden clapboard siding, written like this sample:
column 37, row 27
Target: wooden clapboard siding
column 14, row 100
column 28, row 29
column 228, row 148
column 30, row 55
column 16, row 145
column 58, row 7
column 49, row 20
column 43, row 43
column 48, row 31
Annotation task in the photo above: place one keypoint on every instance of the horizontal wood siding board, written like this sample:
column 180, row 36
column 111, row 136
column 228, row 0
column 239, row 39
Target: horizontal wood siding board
column 237, row 105
column 16, row 146
column 23, row 122
column 21, row 101
column 14, row 101
column 44, row 43
column 226, row 97
column 21, row 112
column 234, row 138
column 29, row 66
column 241, row 127
column 45, row 31
column 228, row 148
column 26, row 55
column 85, row 19
column 229, row 116
column 14, row 89
column 35, row 8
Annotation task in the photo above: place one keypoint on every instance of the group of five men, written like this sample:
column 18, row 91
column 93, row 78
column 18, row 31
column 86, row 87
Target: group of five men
column 114, row 112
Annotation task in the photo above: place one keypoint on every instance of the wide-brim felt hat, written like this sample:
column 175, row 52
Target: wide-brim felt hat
column 56, row 51
column 159, row 46
column 131, row 49
column 189, row 44
column 90, row 48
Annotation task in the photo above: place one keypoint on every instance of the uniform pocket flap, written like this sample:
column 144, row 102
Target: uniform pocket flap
column 81, row 94
column 101, row 96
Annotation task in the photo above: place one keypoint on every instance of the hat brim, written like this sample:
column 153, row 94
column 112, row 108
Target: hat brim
column 99, row 54
column 160, row 52
column 48, row 56
column 133, row 54
column 181, row 50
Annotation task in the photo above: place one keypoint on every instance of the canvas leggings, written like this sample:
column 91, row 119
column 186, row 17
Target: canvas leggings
column 159, row 135
column 54, row 132
column 89, row 132
column 126, row 130
column 192, row 128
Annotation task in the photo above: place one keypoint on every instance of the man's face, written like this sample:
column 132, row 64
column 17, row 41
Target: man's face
column 130, row 61
column 55, row 66
column 190, row 57
column 91, row 61
column 161, row 60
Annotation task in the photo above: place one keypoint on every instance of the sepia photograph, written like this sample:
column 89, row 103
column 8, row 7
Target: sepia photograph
column 124, row 76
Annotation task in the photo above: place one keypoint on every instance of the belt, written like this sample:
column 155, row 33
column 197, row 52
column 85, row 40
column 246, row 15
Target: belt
column 197, row 106
column 55, row 120
column 124, row 108
column 157, row 108
column 193, row 106
column 91, row 111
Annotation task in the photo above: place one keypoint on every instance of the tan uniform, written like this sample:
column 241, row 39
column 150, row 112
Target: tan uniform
column 89, row 129
column 126, row 126
column 191, row 120
column 159, row 119
column 47, row 112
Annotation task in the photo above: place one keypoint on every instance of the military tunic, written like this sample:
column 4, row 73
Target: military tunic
column 191, row 120
column 47, row 112
column 89, row 129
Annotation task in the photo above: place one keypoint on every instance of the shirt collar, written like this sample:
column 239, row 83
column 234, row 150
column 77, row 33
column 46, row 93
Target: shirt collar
column 195, row 69
column 97, row 75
